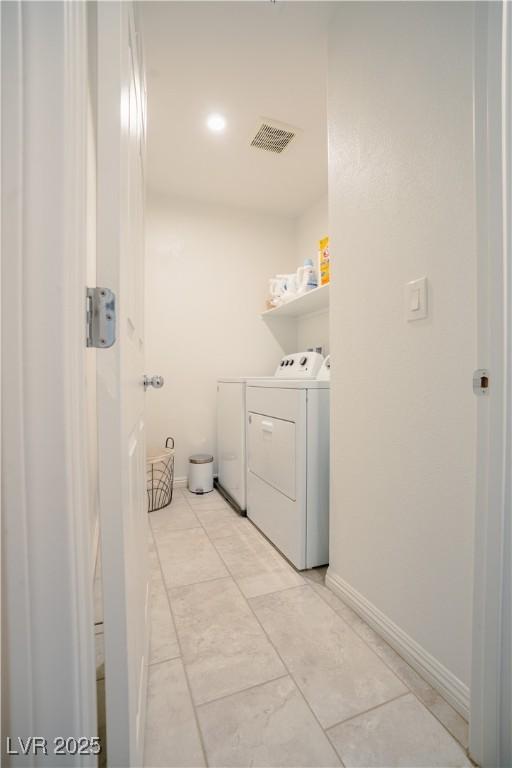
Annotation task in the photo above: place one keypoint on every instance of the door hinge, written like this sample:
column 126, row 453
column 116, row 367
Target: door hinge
column 100, row 317
column 481, row 382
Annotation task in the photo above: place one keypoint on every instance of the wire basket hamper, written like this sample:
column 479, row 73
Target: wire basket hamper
column 160, row 477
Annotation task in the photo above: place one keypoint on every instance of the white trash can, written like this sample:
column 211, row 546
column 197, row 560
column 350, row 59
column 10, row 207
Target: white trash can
column 200, row 473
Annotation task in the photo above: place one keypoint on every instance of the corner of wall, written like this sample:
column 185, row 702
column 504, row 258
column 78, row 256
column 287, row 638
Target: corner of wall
column 448, row 685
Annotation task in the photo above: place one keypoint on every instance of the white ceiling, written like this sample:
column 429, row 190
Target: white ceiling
column 246, row 60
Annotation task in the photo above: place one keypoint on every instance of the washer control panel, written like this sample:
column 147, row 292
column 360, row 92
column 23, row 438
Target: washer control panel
column 300, row 365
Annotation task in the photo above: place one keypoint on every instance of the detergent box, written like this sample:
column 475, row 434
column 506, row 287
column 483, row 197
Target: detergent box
column 323, row 257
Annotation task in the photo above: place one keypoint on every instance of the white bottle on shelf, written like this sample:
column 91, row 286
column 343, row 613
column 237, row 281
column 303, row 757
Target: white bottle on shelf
column 306, row 277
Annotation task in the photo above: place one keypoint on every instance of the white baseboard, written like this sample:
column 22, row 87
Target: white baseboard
column 454, row 690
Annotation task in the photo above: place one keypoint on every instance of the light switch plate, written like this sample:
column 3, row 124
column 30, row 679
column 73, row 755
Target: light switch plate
column 416, row 300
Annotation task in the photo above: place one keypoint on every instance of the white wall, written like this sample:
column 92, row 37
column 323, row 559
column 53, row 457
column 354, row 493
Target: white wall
column 402, row 206
column 207, row 271
column 311, row 226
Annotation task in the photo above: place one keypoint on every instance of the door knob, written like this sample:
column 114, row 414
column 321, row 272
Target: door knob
column 154, row 381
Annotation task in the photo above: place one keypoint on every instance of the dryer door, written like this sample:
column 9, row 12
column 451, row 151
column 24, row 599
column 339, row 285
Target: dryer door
column 272, row 452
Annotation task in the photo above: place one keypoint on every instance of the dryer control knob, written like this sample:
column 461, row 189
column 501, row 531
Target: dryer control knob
column 303, row 360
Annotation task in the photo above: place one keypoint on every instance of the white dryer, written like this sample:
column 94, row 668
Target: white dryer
column 288, row 458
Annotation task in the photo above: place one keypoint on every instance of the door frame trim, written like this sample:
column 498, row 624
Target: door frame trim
column 48, row 643
column 491, row 685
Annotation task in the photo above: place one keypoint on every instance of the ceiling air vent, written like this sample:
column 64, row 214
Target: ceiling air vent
column 273, row 136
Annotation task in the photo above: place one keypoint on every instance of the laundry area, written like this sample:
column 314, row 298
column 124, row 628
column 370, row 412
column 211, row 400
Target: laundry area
column 260, row 655
column 256, row 383
column 237, row 266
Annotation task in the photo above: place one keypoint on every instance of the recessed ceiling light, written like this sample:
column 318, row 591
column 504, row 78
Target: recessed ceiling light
column 216, row 123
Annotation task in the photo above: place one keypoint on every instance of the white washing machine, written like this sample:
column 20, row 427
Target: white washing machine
column 231, row 441
column 288, row 458
column 231, row 463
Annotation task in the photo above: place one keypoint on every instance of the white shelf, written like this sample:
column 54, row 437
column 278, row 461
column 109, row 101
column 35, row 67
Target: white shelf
column 312, row 301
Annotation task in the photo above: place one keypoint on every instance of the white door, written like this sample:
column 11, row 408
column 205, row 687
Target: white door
column 121, row 422
column 48, row 671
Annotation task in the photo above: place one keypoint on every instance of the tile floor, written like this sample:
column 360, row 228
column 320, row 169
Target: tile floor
column 254, row 664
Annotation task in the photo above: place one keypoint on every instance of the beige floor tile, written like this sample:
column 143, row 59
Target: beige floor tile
column 174, row 518
column 214, row 519
column 224, row 648
column 172, row 739
column 211, row 500
column 177, row 501
column 269, row 581
column 178, row 494
column 246, row 552
column 219, row 528
column 444, row 712
column 269, row 725
column 450, row 718
column 316, row 575
column 164, row 642
column 336, row 671
column 341, row 664
column 400, row 733
column 346, row 613
column 254, row 563
column 208, row 504
column 188, row 557
column 154, row 562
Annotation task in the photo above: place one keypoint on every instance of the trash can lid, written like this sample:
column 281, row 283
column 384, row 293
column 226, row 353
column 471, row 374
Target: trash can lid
column 201, row 458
